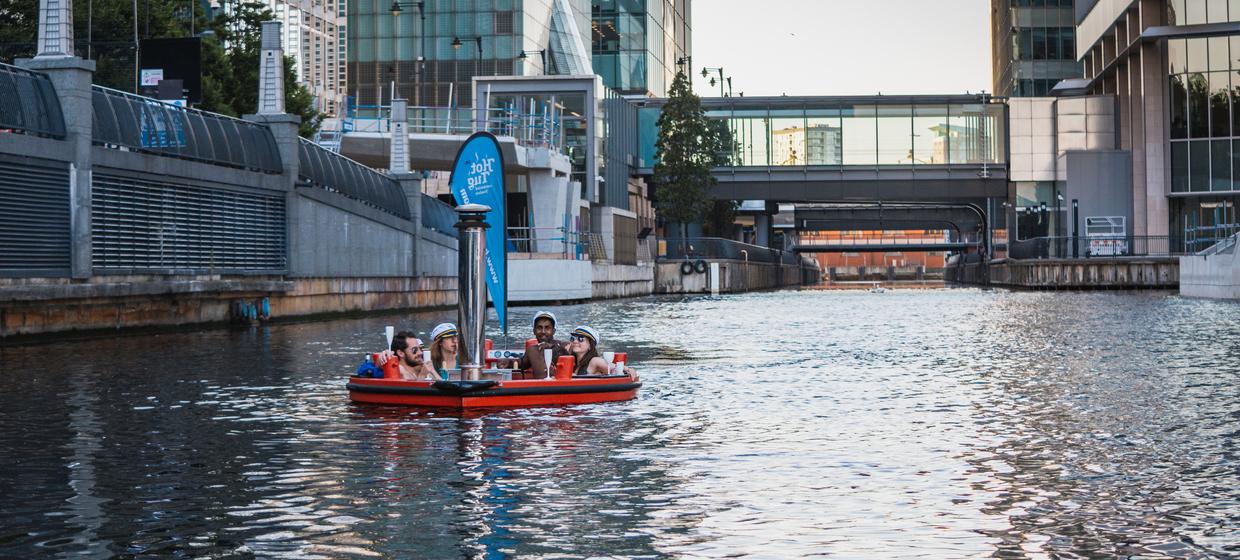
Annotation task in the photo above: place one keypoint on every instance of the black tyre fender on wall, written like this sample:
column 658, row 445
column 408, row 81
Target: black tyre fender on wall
column 686, row 268
column 700, row 267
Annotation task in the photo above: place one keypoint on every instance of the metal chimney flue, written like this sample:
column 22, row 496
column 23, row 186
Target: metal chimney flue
column 471, row 300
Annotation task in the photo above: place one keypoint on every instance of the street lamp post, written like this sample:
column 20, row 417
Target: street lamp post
column 687, row 62
column 1075, row 217
column 456, row 44
column 397, row 6
column 542, row 54
column 719, row 71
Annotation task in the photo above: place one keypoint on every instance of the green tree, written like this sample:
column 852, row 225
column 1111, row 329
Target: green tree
column 230, row 69
column 229, row 54
column 721, row 217
column 102, row 31
column 685, row 151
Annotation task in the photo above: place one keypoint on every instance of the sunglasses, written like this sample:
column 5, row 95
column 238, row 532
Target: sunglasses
column 577, row 338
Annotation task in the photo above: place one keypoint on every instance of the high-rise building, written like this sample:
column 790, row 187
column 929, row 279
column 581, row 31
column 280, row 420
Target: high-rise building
column 1145, row 141
column 314, row 32
column 1033, row 46
column 429, row 51
column 1171, row 65
column 637, row 43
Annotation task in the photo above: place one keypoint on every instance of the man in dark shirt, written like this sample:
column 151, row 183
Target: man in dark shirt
column 544, row 331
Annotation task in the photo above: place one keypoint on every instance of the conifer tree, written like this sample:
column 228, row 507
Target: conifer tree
column 685, row 151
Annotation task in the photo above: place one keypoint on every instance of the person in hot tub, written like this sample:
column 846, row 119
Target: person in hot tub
column 544, row 333
column 583, row 345
column 443, row 349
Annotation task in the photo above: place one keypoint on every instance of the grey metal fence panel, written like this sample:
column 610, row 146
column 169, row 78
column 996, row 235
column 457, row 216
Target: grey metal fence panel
column 334, row 172
column 202, row 138
column 104, row 116
column 147, row 125
column 146, row 225
column 28, row 103
column 438, row 215
column 34, row 217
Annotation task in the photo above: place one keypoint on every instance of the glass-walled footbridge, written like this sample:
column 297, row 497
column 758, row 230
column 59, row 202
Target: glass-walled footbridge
column 855, row 148
column 920, row 151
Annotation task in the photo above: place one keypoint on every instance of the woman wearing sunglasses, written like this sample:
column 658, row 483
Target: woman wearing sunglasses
column 583, row 344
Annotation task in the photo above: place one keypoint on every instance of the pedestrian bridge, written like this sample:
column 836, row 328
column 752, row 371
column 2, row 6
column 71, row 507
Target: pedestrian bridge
column 922, row 148
column 881, row 244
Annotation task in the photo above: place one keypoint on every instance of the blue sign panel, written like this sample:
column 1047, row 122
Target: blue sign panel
column 478, row 178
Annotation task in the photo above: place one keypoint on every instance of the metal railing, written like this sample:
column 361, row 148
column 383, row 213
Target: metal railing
column 438, row 215
column 535, row 129
column 149, row 125
column 1225, row 247
column 1199, row 238
column 1068, row 247
column 548, row 242
column 28, row 103
column 693, row 248
column 331, row 171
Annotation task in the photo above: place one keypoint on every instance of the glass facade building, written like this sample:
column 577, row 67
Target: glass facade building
column 636, row 43
column 429, row 55
column 1204, row 107
column 1171, row 66
column 1034, row 46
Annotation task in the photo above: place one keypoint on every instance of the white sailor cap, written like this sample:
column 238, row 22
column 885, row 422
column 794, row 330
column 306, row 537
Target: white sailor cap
column 542, row 315
column 443, row 329
column 587, row 331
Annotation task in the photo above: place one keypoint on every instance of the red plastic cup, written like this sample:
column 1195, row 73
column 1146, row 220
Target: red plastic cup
column 564, row 367
column 391, row 369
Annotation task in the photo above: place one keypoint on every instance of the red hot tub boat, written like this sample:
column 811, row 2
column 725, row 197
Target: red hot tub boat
column 495, row 393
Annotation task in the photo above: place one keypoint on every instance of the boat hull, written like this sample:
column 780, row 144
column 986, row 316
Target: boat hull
column 507, row 394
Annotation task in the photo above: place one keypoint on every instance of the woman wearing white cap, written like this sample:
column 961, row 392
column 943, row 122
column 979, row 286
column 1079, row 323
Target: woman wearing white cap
column 583, row 344
column 443, row 348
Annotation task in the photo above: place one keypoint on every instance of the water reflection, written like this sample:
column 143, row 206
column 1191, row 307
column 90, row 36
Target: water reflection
column 957, row 423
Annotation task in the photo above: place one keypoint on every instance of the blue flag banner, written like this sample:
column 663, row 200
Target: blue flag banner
column 478, row 178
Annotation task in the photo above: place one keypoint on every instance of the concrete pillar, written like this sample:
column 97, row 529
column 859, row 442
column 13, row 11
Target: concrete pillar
column 411, row 184
column 284, row 127
column 72, row 79
column 398, row 155
column 1155, row 141
column 271, row 71
column 762, row 230
column 1136, row 132
column 553, row 205
column 55, row 29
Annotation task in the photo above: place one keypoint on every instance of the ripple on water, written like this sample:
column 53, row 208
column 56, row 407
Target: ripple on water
column 955, row 423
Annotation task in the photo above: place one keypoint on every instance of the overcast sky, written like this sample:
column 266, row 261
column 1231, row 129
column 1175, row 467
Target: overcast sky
column 840, row 47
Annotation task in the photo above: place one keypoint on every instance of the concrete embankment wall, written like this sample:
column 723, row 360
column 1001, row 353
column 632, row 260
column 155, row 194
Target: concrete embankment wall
column 557, row 280
column 1155, row 273
column 142, row 226
column 1215, row 276
column 734, row 276
column 879, row 274
column 129, row 302
column 619, row 280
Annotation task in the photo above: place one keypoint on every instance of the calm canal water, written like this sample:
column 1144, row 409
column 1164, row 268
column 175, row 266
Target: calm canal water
column 944, row 424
